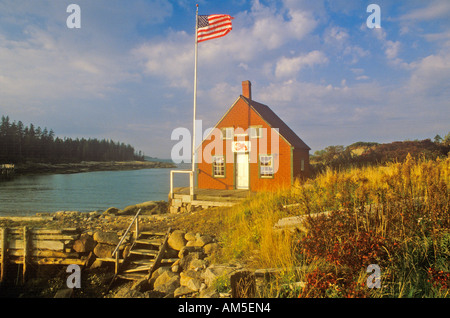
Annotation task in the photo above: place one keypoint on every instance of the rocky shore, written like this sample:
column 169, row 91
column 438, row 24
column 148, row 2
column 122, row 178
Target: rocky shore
column 88, row 166
column 193, row 272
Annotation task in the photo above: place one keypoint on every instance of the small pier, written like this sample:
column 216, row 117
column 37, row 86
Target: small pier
column 7, row 171
column 181, row 199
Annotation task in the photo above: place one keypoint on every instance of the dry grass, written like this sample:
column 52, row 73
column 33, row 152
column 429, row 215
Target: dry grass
column 396, row 216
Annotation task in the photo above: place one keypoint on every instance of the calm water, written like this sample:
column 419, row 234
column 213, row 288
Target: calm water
column 90, row 191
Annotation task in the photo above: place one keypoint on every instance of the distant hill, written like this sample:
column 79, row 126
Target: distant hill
column 372, row 153
column 154, row 159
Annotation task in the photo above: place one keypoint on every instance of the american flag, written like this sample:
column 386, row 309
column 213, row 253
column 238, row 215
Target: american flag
column 213, row 26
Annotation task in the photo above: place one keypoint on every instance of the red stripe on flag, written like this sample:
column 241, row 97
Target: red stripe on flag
column 219, row 25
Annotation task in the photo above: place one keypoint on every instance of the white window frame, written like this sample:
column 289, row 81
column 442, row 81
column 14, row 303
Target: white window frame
column 266, row 167
column 216, row 168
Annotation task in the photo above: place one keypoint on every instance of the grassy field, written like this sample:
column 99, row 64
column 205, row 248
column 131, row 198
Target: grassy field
column 395, row 216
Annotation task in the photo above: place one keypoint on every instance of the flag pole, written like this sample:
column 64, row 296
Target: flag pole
column 195, row 102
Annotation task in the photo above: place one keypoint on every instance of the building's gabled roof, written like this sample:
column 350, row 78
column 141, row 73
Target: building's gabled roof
column 275, row 122
column 272, row 120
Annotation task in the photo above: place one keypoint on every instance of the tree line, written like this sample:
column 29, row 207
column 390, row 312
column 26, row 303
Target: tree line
column 20, row 143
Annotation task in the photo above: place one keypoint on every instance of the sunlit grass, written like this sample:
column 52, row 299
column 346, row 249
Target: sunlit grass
column 396, row 216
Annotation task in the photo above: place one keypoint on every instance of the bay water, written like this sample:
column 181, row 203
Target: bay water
column 85, row 192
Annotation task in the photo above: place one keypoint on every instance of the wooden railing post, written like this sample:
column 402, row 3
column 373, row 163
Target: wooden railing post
column 171, row 185
column 4, row 246
column 137, row 227
column 116, row 271
column 26, row 245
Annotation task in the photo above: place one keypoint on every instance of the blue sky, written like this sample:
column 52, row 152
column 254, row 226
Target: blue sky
column 127, row 73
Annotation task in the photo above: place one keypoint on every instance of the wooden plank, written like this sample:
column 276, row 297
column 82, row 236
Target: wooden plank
column 153, row 233
column 157, row 241
column 144, row 252
column 147, row 262
column 35, row 244
column 60, row 261
column 108, row 259
column 26, row 245
column 3, row 247
column 133, row 276
column 26, row 218
column 43, row 237
column 44, row 253
column 160, row 255
column 71, row 230
column 137, row 269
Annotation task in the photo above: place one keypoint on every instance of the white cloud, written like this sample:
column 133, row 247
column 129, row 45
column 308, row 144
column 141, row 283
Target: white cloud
column 171, row 59
column 289, row 67
column 434, row 10
column 431, row 76
column 339, row 42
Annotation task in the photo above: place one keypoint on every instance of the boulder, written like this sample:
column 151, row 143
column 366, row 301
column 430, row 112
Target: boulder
column 167, row 283
column 202, row 240
column 163, row 278
column 84, row 244
column 189, row 249
column 190, row 236
column 186, row 261
column 156, row 274
column 191, row 279
column 183, row 291
column 176, row 240
column 104, row 250
column 198, row 264
column 126, row 292
column 106, row 237
column 211, row 248
column 147, row 208
column 213, row 272
column 210, row 292
column 111, row 211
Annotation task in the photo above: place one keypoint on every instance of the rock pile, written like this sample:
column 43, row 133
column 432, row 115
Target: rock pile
column 191, row 275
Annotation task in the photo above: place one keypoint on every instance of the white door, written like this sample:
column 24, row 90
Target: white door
column 242, row 171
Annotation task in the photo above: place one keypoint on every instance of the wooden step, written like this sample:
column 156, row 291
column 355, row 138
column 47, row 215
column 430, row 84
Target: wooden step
column 144, row 252
column 153, row 233
column 169, row 261
column 137, row 269
column 133, row 276
column 109, row 259
column 154, row 241
column 142, row 262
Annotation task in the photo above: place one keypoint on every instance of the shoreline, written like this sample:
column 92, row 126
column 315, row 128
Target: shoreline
column 87, row 166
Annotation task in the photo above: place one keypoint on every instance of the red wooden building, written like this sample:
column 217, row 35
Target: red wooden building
column 251, row 148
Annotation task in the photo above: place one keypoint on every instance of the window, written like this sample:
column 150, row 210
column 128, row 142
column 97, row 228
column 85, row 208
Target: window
column 228, row 133
column 218, row 165
column 256, row 132
column 266, row 166
column 302, row 165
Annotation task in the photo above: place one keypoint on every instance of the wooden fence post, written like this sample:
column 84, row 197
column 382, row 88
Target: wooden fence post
column 26, row 254
column 4, row 247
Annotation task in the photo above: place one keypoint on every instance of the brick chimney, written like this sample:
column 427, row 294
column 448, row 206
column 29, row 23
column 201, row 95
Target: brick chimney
column 247, row 89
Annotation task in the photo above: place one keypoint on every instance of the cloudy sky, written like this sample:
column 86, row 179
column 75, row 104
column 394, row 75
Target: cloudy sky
column 127, row 73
